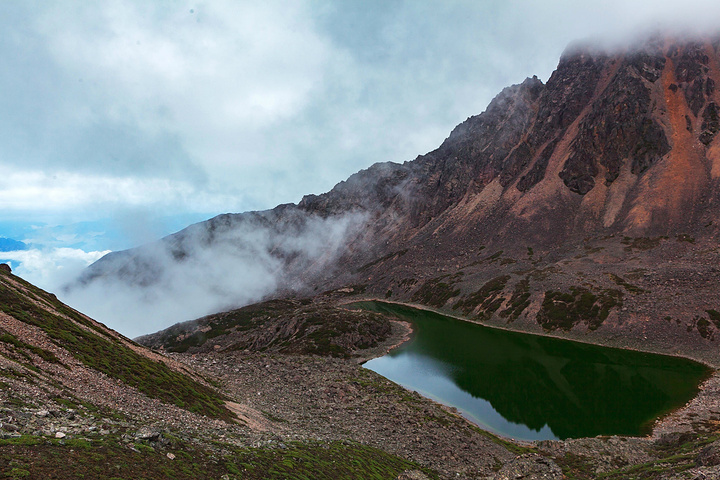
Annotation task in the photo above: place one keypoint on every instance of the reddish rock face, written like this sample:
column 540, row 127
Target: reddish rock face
column 618, row 142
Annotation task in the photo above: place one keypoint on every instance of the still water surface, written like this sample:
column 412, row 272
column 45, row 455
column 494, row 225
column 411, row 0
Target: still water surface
column 531, row 387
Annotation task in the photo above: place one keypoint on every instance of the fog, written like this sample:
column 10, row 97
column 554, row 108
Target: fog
column 209, row 267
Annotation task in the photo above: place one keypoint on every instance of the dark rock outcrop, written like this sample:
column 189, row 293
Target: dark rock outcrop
column 709, row 456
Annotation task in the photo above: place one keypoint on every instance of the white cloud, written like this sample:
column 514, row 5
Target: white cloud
column 59, row 192
column 51, row 267
column 227, row 266
column 147, row 90
column 206, row 76
column 244, row 105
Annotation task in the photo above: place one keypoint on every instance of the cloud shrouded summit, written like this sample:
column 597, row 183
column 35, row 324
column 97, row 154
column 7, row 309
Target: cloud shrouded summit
column 227, row 106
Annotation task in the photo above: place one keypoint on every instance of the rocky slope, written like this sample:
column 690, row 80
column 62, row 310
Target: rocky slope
column 238, row 405
column 333, row 399
column 79, row 400
column 282, row 326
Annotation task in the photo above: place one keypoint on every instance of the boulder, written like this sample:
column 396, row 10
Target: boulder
column 709, row 456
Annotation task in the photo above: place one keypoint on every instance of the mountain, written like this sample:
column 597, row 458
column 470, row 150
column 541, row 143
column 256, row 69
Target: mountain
column 586, row 207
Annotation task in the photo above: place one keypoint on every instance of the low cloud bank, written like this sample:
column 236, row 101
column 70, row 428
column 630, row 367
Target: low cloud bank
column 227, row 262
column 49, row 268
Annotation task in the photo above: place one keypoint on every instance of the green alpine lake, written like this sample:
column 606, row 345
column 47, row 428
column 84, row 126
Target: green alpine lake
column 531, row 387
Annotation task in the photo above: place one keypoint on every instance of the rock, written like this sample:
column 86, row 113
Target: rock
column 530, row 466
column 412, row 475
column 674, row 439
column 702, row 473
column 709, row 456
column 146, row 433
column 9, row 427
column 5, row 268
column 42, row 413
column 170, row 456
column 60, row 435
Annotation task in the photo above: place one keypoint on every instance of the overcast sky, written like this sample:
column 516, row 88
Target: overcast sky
column 122, row 121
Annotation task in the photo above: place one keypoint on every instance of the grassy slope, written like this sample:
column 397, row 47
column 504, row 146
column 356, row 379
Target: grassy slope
column 98, row 349
column 36, row 457
column 283, row 326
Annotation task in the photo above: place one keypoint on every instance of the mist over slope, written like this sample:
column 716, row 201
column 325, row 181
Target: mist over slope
column 228, row 261
column 618, row 146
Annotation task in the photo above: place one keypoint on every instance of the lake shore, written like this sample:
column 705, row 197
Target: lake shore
column 599, row 340
column 701, row 407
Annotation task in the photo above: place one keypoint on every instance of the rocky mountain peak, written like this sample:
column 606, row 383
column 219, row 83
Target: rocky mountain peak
column 618, row 144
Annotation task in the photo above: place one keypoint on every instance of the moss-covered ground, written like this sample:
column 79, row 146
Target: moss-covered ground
column 30, row 457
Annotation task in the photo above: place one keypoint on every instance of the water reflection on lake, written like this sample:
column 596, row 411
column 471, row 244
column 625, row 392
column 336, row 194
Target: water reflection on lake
column 531, row 387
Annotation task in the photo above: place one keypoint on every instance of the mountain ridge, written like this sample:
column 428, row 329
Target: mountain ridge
column 602, row 175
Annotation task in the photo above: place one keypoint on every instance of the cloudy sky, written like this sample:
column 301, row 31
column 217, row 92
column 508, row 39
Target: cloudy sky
column 123, row 121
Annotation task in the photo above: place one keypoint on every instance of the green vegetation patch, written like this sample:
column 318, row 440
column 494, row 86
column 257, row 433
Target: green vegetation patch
column 714, row 317
column 322, row 461
column 565, row 310
column 684, row 237
column 397, row 254
column 437, row 291
column 110, row 356
column 576, row 466
column 488, row 297
column 24, row 349
column 634, row 289
column 703, row 327
column 674, row 458
column 641, row 243
column 494, row 256
column 519, row 301
column 41, row 457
